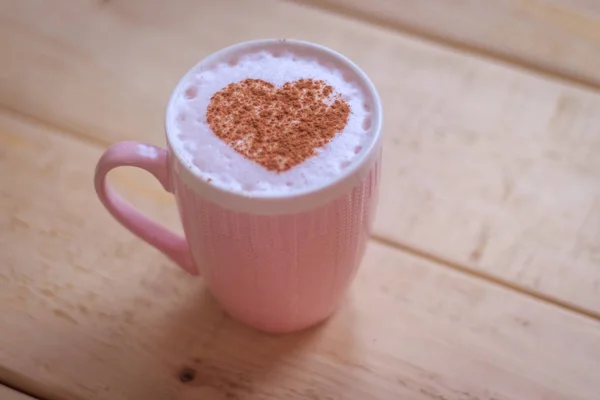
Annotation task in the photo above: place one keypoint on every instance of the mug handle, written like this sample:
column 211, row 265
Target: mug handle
column 154, row 160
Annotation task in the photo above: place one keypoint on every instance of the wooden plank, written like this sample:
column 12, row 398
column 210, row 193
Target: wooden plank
column 90, row 312
column 487, row 167
column 9, row 394
column 557, row 36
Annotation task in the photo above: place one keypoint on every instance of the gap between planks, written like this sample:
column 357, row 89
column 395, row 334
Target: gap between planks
column 486, row 277
column 414, row 32
column 19, row 394
column 57, row 128
column 95, row 142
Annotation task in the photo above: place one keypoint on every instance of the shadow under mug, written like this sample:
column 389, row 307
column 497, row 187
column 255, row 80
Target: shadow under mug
column 278, row 263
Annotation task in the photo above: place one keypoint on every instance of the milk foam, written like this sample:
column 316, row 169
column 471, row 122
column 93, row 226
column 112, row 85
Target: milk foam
column 213, row 160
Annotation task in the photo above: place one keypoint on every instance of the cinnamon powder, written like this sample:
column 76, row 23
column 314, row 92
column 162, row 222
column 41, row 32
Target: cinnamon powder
column 278, row 128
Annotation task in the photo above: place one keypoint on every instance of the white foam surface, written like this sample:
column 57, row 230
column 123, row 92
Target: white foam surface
column 213, row 160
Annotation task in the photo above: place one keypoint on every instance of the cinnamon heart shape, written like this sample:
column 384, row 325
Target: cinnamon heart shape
column 277, row 128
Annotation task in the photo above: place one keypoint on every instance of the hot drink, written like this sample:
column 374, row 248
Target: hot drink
column 273, row 155
column 270, row 123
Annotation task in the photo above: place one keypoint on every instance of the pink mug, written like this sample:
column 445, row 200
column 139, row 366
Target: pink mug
column 278, row 263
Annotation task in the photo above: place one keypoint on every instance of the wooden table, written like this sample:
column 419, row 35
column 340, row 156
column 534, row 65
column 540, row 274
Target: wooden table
column 485, row 259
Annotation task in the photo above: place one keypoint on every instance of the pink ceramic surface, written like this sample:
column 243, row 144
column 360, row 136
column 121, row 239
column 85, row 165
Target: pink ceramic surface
column 279, row 263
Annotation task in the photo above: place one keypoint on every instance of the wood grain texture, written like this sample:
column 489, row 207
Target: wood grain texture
column 9, row 394
column 89, row 312
column 560, row 37
column 487, row 167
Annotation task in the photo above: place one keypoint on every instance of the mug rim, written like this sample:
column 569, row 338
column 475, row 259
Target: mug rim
column 277, row 203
